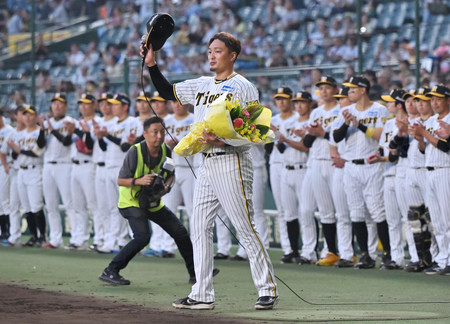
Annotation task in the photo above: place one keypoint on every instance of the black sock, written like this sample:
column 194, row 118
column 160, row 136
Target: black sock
column 31, row 220
column 293, row 229
column 3, row 224
column 383, row 235
column 40, row 221
column 329, row 231
column 360, row 230
column 317, row 234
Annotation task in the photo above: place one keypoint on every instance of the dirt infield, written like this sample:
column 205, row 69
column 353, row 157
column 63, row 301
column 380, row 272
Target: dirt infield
column 25, row 305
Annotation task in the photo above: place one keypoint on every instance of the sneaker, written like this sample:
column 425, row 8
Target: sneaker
column 365, row 262
column 289, row 258
column 49, row 246
column 93, row 247
column 329, row 260
column 391, row 266
column 71, row 246
column 446, row 271
column 238, row 258
column 415, row 267
column 113, row 277
column 435, row 269
column 166, row 254
column 266, row 302
column 104, row 251
column 221, row 256
column 192, row 280
column 6, row 243
column 343, row 263
column 385, row 260
column 160, row 253
column 187, row 303
column 303, row 260
column 150, row 253
column 30, row 242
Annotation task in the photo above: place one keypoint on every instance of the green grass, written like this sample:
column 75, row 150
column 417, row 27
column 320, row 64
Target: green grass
column 156, row 282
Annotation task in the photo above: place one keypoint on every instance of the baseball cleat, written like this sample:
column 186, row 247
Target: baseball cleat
column 435, row 269
column 302, row 260
column 365, row 262
column 390, row 266
column 238, row 258
column 49, row 246
column 150, row 253
column 221, row 256
column 329, row 260
column 290, row 258
column 113, row 277
column 446, row 271
column 266, row 302
column 30, row 242
column 188, row 303
column 343, row 263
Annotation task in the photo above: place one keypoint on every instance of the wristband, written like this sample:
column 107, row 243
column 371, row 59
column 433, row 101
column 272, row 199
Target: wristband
column 133, row 182
column 327, row 136
column 369, row 131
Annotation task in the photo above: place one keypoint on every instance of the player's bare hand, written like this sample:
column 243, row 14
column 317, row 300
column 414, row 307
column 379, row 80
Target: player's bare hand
column 402, row 125
column 444, row 130
column 146, row 180
column 299, row 132
column 347, row 117
column 416, row 130
column 70, row 127
column 211, row 139
column 84, row 126
column 148, row 55
column 40, row 120
column 131, row 138
column 338, row 162
column 374, row 158
column 315, row 129
column 14, row 146
column 282, row 138
column 49, row 124
column 100, row 132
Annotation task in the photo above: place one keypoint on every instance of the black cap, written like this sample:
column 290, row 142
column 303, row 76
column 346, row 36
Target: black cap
column 143, row 96
column 157, row 97
column 357, row 82
column 105, row 96
column 86, row 98
column 327, row 80
column 422, row 94
column 283, row 92
column 159, row 28
column 343, row 93
column 60, row 97
column 439, row 91
column 408, row 94
column 29, row 109
column 394, row 96
column 302, row 96
column 119, row 98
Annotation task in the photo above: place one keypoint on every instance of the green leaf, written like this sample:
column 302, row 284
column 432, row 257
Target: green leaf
column 263, row 129
column 235, row 112
column 256, row 114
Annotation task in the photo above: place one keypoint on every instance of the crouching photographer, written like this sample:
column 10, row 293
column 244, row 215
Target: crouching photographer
column 146, row 175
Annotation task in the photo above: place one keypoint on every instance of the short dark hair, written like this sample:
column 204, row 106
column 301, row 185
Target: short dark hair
column 152, row 120
column 231, row 42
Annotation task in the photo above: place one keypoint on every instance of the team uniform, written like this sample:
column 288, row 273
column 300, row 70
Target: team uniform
column 225, row 179
column 5, row 134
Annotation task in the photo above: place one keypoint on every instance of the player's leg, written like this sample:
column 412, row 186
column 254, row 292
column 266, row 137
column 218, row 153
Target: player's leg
column 62, row 174
column 14, row 207
column 51, row 198
column 33, row 184
column 79, row 206
column 101, row 217
column 4, row 204
column 88, row 190
column 393, row 218
column 223, row 235
column 307, row 219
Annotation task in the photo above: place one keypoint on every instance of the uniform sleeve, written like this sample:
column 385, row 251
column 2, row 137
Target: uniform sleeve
column 185, row 91
column 129, row 164
column 250, row 95
column 383, row 116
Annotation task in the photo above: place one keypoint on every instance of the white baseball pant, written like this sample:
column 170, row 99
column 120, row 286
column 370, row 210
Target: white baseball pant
column 31, row 195
column 307, row 219
column 101, row 218
column 4, row 191
column 14, row 207
column 322, row 178
column 394, row 220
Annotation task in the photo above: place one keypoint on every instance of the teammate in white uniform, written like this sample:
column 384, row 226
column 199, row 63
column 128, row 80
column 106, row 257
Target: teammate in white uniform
column 6, row 132
column 57, row 168
column 29, row 150
column 225, row 179
column 361, row 125
column 116, row 141
column 437, row 162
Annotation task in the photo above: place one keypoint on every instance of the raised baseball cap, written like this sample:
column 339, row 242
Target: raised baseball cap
column 86, row 98
column 283, row 92
column 105, row 96
column 302, row 96
column 440, row 91
column 357, row 82
column 394, row 96
column 160, row 27
column 143, row 96
column 29, row 109
column 60, row 97
column 157, row 97
column 119, row 98
column 343, row 93
column 421, row 94
column 327, row 80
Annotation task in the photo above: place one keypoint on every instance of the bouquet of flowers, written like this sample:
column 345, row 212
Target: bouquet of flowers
column 233, row 124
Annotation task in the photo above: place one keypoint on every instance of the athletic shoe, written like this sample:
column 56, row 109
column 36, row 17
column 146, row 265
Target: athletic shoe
column 150, row 253
column 30, row 242
column 343, row 263
column 192, row 280
column 113, row 277
column 329, row 260
column 104, row 251
column 385, row 260
column 266, row 302
column 160, row 253
column 49, row 246
column 289, row 258
column 365, row 262
column 238, row 258
column 6, row 243
column 446, row 271
column 221, row 256
column 71, row 246
column 390, row 266
column 415, row 267
column 435, row 269
column 165, row 254
column 303, row 260
column 187, row 303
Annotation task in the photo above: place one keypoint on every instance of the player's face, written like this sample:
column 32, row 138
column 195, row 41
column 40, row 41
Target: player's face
column 105, row 108
column 142, row 107
column 179, row 110
column 391, row 107
column 58, row 108
column 87, row 109
column 154, row 135
column 219, row 57
column 284, row 104
column 344, row 102
column 423, row 107
column 118, row 110
column 439, row 105
column 327, row 91
column 302, row 107
column 159, row 107
column 411, row 106
column 29, row 119
column 354, row 94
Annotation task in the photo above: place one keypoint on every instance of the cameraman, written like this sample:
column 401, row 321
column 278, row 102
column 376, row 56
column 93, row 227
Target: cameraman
column 143, row 180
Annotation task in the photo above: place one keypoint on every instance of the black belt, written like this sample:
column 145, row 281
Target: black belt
column 80, row 162
column 294, row 167
column 52, row 162
column 359, row 161
column 27, row 167
column 207, row 155
column 101, row 164
column 431, row 168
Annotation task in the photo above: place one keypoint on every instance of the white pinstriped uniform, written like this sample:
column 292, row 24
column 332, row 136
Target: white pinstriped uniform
column 101, row 218
column 321, row 164
column 438, row 185
column 117, row 233
column 224, row 180
column 5, row 134
column 56, row 180
column 275, row 169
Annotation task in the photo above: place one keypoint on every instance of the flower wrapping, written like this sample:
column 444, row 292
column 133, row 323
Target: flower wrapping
column 233, row 124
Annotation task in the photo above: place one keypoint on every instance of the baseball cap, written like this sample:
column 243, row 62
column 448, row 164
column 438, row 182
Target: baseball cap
column 143, row 96
column 86, row 98
column 283, row 92
column 343, row 93
column 357, row 82
column 105, row 96
column 157, row 97
column 422, row 94
column 60, row 97
column 439, row 91
column 29, row 109
column 302, row 96
column 160, row 27
column 327, row 80
column 408, row 94
column 394, row 96
column 119, row 98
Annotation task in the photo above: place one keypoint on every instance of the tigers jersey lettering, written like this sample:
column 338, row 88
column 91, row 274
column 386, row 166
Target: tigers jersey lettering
column 179, row 129
column 55, row 150
column 320, row 149
column 28, row 142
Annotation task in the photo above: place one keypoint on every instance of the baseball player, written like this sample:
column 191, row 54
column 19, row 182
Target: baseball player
column 317, row 138
column 225, row 179
column 5, row 133
column 29, row 150
column 437, row 162
column 142, row 107
column 116, row 141
column 56, row 171
column 361, row 125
